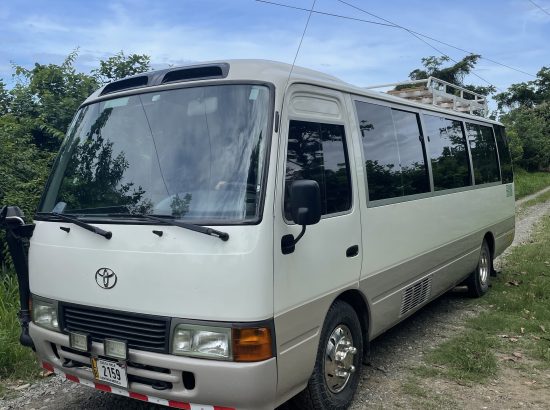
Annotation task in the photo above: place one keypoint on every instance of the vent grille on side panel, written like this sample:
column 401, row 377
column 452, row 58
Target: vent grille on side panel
column 416, row 295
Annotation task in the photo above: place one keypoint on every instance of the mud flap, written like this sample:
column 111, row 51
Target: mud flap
column 17, row 236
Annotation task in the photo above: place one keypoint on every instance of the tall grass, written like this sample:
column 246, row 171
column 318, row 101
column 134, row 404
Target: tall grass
column 527, row 183
column 16, row 361
column 516, row 318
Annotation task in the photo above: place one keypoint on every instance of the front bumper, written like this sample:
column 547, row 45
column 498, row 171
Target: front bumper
column 217, row 384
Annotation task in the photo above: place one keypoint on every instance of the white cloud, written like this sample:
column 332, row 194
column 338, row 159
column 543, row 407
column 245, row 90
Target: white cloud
column 356, row 52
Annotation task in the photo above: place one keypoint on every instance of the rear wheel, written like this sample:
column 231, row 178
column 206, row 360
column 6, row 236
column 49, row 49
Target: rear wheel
column 478, row 281
column 338, row 364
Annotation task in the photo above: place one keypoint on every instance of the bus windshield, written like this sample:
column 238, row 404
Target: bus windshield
column 193, row 153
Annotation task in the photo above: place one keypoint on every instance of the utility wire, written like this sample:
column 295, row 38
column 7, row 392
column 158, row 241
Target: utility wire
column 396, row 26
column 288, row 6
column 536, row 5
column 300, row 44
column 419, row 38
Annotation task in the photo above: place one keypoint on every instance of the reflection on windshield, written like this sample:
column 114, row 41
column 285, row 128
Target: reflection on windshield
column 194, row 153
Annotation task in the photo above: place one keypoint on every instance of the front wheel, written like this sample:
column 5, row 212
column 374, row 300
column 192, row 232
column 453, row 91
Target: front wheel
column 478, row 281
column 338, row 363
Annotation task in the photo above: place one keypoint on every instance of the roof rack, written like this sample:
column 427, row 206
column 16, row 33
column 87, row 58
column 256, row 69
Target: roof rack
column 439, row 93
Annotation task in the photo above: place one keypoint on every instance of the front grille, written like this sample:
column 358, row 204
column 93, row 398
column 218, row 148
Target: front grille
column 143, row 332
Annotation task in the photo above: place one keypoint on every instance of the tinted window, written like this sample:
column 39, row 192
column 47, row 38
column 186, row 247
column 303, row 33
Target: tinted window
column 195, row 153
column 504, row 154
column 317, row 151
column 380, row 150
column 448, row 153
column 484, row 153
column 414, row 173
column 394, row 156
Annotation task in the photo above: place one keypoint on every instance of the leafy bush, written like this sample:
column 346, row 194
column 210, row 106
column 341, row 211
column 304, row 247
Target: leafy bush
column 16, row 361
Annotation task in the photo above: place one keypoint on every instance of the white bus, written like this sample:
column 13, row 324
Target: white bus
column 227, row 235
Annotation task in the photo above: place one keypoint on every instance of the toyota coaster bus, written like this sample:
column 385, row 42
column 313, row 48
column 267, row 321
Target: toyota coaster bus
column 232, row 234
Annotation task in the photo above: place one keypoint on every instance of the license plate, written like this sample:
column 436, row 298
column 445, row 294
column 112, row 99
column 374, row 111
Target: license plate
column 110, row 372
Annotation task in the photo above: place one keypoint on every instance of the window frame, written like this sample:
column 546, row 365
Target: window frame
column 490, row 126
column 506, row 142
column 321, row 121
column 422, row 112
column 468, row 153
column 401, row 107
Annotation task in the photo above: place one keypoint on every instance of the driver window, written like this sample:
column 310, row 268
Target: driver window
column 317, row 151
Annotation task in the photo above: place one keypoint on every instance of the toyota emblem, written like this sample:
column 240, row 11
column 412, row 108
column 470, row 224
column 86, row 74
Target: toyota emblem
column 105, row 278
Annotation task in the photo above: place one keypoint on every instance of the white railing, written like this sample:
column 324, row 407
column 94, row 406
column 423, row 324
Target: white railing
column 440, row 94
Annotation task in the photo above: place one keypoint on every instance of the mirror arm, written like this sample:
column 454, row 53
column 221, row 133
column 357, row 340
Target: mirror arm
column 288, row 242
column 300, row 235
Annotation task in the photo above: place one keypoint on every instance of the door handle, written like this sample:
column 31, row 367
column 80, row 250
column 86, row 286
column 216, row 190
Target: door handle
column 352, row 251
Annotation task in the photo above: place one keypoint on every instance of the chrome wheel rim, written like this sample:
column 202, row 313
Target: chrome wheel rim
column 484, row 267
column 339, row 354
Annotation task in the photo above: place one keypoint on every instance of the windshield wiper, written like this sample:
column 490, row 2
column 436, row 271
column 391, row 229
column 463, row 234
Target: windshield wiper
column 84, row 225
column 170, row 220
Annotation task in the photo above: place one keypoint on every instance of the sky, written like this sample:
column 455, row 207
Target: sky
column 177, row 32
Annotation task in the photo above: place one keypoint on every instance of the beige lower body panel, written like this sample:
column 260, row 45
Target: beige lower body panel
column 447, row 266
column 298, row 331
column 229, row 384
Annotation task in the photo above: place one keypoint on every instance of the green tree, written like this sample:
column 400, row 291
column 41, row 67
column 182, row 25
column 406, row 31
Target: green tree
column 454, row 74
column 4, row 98
column 120, row 66
column 49, row 95
column 528, row 94
column 34, row 116
column 525, row 110
column 528, row 130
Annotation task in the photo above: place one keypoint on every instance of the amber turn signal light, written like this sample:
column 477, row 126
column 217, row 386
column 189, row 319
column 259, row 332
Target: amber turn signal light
column 252, row 344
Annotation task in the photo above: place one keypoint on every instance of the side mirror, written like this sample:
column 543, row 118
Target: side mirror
column 305, row 202
column 305, row 207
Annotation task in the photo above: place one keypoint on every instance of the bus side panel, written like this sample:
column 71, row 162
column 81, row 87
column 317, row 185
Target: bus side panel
column 437, row 239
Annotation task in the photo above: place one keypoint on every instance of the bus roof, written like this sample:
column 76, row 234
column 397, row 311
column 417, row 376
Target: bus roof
column 267, row 71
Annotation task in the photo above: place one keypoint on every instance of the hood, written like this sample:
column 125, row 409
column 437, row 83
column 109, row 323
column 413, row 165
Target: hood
column 181, row 274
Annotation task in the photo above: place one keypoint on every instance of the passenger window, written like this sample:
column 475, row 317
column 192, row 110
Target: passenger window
column 504, row 154
column 411, row 153
column 484, row 153
column 318, row 151
column 448, row 153
column 394, row 155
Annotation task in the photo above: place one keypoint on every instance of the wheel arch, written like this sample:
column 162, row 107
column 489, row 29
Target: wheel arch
column 357, row 301
column 490, row 239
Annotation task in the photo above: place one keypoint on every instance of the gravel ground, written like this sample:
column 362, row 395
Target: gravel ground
column 392, row 356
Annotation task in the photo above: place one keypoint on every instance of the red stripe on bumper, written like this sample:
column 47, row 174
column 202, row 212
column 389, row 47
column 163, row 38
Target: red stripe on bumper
column 142, row 397
column 179, row 405
column 138, row 396
column 103, row 387
column 47, row 366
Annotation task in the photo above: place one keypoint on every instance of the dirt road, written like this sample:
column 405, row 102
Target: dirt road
column 382, row 382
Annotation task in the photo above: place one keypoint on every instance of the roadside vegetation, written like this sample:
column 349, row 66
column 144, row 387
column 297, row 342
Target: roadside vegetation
column 512, row 330
column 544, row 197
column 16, row 361
column 527, row 183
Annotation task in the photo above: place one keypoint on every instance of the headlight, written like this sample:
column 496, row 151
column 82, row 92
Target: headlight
column 202, row 341
column 44, row 314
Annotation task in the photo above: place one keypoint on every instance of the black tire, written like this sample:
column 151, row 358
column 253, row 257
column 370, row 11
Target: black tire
column 478, row 281
column 318, row 394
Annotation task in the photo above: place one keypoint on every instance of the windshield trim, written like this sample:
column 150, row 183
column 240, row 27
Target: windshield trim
column 42, row 216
